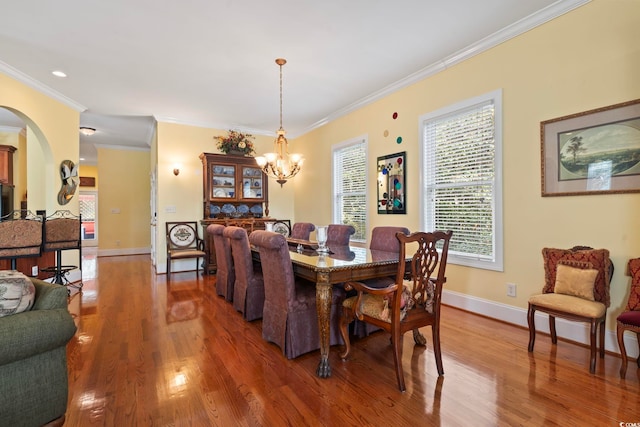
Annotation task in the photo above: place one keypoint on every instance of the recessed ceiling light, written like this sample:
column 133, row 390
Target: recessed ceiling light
column 87, row 131
column 59, row 73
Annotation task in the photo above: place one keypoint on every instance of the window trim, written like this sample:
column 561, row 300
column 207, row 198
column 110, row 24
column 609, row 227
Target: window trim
column 497, row 264
column 335, row 215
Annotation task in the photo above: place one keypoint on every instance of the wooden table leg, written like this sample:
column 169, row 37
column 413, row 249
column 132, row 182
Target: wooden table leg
column 324, row 295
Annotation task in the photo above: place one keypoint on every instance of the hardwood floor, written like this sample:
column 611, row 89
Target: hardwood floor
column 152, row 353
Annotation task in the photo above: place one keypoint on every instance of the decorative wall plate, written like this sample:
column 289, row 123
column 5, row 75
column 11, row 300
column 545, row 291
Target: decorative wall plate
column 215, row 210
column 243, row 209
column 227, row 209
column 281, row 228
column 256, row 209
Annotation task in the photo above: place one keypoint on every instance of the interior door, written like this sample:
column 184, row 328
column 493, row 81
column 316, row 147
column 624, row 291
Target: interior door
column 89, row 212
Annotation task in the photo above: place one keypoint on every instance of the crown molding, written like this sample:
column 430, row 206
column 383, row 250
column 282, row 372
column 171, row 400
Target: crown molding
column 122, row 147
column 213, row 125
column 547, row 14
column 40, row 87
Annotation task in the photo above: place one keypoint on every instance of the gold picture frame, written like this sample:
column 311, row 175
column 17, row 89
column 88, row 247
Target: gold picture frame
column 593, row 152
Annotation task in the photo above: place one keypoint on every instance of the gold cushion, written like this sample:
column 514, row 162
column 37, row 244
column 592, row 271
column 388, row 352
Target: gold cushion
column 575, row 281
column 569, row 304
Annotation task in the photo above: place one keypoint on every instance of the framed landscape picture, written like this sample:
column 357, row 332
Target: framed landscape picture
column 594, row 152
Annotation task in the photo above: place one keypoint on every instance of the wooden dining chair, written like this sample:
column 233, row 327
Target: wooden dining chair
column 248, row 289
column 576, row 288
column 629, row 319
column 225, row 273
column 183, row 242
column 411, row 302
column 290, row 318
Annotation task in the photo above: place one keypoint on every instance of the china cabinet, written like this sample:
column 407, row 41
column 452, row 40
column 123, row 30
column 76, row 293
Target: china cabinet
column 235, row 192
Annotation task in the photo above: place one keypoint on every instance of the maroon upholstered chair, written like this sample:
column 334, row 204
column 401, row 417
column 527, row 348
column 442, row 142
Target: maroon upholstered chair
column 410, row 303
column 225, row 273
column 629, row 320
column 339, row 234
column 576, row 288
column 248, row 290
column 302, row 230
column 289, row 318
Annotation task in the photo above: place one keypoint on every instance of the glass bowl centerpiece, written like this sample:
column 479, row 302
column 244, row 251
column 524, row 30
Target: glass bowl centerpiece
column 236, row 143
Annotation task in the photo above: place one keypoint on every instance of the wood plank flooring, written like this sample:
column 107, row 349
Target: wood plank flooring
column 152, row 353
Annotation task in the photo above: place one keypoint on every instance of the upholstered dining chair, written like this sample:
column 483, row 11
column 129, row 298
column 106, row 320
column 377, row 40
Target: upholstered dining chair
column 576, row 288
column 248, row 290
column 339, row 234
column 302, row 230
column 411, row 302
column 629, row 319
column 225, row 272
column 289, row 318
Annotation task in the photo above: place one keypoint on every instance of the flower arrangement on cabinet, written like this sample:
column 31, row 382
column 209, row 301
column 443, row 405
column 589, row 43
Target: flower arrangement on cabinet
column 235, row 142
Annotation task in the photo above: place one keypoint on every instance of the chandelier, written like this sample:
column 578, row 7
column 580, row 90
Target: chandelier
column 280, row 165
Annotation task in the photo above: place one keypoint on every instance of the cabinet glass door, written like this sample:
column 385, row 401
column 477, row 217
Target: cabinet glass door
column 252, row 187
column 223, row 182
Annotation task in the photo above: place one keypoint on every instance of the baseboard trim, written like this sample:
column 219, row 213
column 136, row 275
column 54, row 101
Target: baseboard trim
column 571, row 331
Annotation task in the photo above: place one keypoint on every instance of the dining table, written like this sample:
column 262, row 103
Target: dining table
column 341, row 264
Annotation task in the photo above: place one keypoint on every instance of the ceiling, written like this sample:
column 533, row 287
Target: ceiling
column 212, row 63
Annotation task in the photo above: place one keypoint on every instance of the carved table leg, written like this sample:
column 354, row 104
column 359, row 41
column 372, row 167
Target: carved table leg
column 324, row 293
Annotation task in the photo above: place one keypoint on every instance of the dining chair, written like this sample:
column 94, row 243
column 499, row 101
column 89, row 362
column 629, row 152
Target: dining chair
column 225, row 272
column 289, row 318
column 339, row 234
column 629, row 319
column 411, row 302
column 576, row 288
column 183, row 242
column 383, row 238
column 302, row 230
column 248, row 290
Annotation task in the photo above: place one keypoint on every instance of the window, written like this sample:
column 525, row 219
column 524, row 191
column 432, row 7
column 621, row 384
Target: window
column 350, row 186
column 462, row 179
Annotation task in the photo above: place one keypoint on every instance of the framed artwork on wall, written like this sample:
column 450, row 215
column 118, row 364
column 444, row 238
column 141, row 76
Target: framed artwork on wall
column 392, row 192
column 593, row 152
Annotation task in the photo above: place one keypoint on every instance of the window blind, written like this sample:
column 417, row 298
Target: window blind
column 349, row 187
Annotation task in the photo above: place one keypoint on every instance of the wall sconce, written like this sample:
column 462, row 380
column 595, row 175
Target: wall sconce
column 176, row 171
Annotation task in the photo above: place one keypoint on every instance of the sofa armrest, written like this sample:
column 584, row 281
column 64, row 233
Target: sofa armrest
column 46, row 326
column 49, row 296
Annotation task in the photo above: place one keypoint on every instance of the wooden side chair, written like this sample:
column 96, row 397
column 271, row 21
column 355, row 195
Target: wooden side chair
column 183, row 242
column 629, row 320
column 225, row 271
column 411, row 302
column 576, row 288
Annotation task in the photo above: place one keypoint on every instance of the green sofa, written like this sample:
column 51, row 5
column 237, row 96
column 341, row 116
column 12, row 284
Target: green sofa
column 33, row 360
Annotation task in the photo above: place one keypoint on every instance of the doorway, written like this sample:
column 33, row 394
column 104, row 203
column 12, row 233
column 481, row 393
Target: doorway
column 88, row 210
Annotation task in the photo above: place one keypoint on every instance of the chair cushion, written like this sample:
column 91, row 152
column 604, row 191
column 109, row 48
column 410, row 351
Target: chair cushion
column 575, row 281
column 17, row 293
column 597, row 259
column 377, row 306
column 633, row 303
column 631, row 318
column 569, row 304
